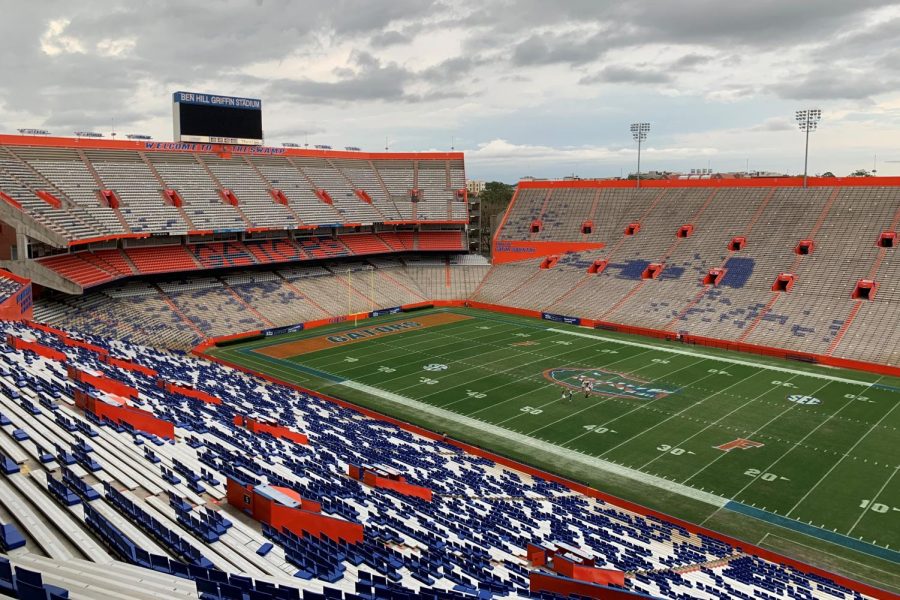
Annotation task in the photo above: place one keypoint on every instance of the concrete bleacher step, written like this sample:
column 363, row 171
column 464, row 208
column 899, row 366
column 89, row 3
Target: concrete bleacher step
column 33, row 488
column 33, row 525
column 220, row 555
column 115, row 581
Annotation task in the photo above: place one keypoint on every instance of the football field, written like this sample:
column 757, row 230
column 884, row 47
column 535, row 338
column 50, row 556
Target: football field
column 780, row 453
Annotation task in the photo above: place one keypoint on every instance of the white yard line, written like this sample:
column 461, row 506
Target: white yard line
column 846, row 454
column 734, row 361
column 803, row 439
column 769, row 422
column 672, row 416
column 526, row 441
column 874, row 499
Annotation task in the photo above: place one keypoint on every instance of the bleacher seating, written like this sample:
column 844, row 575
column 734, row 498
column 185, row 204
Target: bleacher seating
column 149, row 518
column 139, row 176
column 818, row 314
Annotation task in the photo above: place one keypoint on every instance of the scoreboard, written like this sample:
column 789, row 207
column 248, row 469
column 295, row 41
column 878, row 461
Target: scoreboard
column 212, row 119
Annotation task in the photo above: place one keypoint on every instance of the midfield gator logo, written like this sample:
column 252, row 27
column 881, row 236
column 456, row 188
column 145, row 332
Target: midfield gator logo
column 607, row 383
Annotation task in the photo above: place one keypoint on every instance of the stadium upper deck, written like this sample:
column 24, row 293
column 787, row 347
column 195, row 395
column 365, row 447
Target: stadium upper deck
column 75, row 193
column 762, row 262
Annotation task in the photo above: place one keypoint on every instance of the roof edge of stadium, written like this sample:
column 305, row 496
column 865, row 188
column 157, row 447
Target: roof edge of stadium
column 157, row 146
column 748, row 182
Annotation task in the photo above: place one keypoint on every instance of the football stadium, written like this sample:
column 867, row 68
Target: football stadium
column 232, row 370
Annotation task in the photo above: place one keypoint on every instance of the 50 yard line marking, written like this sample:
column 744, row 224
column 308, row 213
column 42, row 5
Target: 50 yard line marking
column 596, row 404
column 544, row 384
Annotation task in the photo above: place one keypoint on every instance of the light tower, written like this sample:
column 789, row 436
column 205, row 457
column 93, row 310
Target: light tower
column 639, row 132
column 808, row 119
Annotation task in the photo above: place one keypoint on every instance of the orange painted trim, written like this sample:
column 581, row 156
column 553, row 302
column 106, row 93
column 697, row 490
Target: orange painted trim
column 14, row 277
column 9, row 200
column 149, row 146
column 425, row 222
column 750, row 182
column 506, row 251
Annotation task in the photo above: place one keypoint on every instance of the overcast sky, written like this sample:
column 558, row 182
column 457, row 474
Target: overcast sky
column 534, row 87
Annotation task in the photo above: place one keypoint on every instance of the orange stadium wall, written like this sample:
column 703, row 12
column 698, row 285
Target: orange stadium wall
column 102, row 383
column 17, row 307
column 545, row 582
column 401, row 487
column 39, row 349
column 137, row 418
column 506, row 251
column 153, row 146
column 299, row 521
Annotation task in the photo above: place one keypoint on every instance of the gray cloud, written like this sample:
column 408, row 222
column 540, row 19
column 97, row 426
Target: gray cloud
column 390, row 38
column 774, row 124
column 833, row 84
column 103, row 61
column 625, row 74
column 690, row 61
column 575, row 48
column 373, row 80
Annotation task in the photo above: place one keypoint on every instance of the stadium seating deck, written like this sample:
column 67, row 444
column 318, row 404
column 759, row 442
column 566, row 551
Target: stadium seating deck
column 101, row 505
column 91, row 268
column 120, row 188
column 842, row 224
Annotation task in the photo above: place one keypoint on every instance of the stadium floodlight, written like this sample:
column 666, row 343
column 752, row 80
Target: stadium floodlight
column 290, row 144
column 138, row 136
column 808, row 119
column 88, row 134
column 639, row 132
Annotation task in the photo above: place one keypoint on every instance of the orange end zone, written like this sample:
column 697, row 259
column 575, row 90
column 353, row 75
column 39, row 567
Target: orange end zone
column 342, row 338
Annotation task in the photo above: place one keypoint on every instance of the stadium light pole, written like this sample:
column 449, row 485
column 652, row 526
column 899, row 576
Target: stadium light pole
column 808, row 119
column 639, row 133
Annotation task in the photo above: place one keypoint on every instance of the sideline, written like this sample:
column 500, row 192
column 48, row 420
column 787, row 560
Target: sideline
column 547, row 447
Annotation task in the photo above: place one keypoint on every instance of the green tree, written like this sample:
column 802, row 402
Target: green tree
column 860, row 173
column 494, row 202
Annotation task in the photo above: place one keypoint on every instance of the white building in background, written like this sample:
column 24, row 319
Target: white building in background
column 475, row 186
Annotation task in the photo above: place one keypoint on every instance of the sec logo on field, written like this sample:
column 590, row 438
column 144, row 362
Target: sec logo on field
column 435, row 367
column 803, row 399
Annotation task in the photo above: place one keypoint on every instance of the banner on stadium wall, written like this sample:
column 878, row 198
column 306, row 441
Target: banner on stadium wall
column 561, row 318
column 514, row 250
column 386, row 311
column 280, row 330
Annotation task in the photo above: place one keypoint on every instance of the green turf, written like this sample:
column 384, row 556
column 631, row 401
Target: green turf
column 831, row 464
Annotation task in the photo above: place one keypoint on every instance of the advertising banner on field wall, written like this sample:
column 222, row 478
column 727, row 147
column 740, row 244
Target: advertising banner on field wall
column 514, row 250
column 561, row 318
column 385, row 311
column 280, row 330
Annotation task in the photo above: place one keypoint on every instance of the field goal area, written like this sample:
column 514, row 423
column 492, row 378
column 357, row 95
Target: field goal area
column 800, row 447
